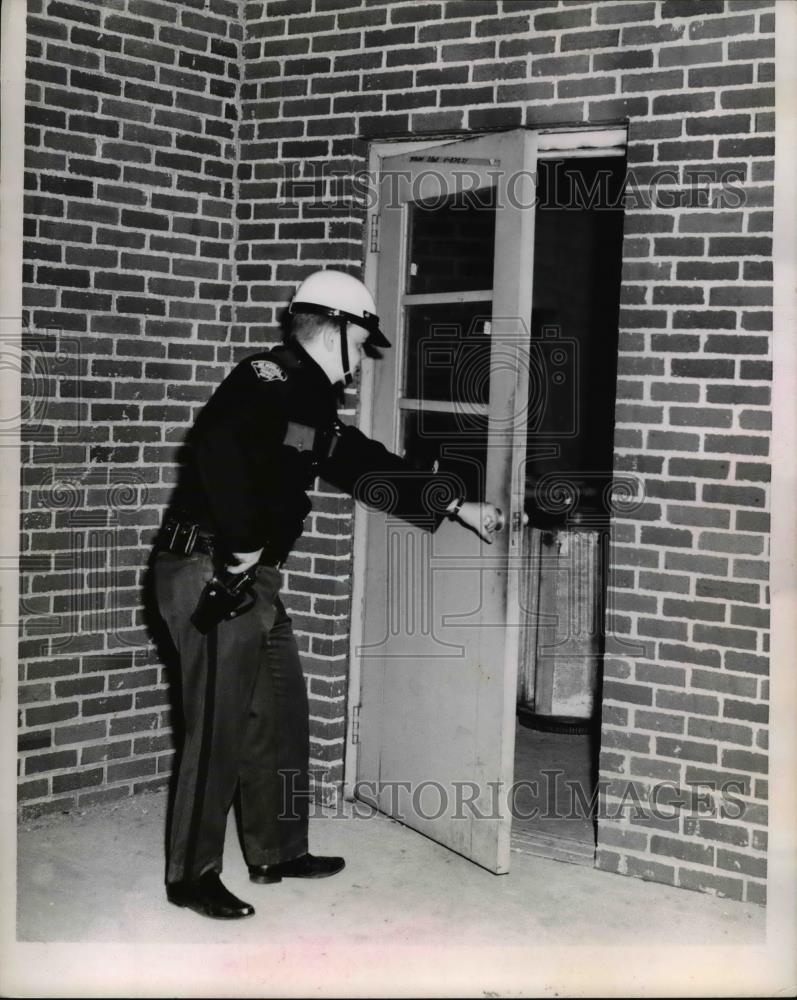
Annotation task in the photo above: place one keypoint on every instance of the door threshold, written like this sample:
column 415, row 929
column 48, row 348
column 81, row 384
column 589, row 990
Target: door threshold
column 574, row 852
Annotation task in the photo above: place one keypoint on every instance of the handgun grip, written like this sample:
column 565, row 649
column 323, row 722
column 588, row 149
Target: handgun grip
column 223, row 597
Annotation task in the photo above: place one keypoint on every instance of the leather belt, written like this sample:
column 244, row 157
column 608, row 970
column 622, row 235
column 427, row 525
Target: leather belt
column 206, row 543
column 185, row 537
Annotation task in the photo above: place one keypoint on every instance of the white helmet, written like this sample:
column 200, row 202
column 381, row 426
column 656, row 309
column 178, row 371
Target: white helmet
column 343, row 297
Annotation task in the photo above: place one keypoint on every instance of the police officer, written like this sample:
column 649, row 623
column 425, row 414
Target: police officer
column 270, row 428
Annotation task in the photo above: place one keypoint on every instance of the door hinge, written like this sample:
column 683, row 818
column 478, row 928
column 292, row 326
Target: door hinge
column 374, row 244
column 354, row 729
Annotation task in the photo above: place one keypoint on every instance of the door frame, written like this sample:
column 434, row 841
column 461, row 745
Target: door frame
column 608, row 140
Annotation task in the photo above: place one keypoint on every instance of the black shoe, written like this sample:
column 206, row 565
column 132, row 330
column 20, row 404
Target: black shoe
column 206, row 895
column 306, row 866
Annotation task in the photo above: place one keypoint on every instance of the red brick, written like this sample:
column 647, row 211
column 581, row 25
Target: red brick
column 121, row 724
column 718, row 124
column 79, row 779
column 132, row 769
column 470, row 8
column 734, row 861
column 39, row 739
column 368, row 18
column 560, row 65
column 727, row 888
column 56, row 760
column 32, row 789
column 724, row 732
column 536, row 45
column 51, row 713
column 73, row 12
column 445, row 30
column 502, row 25
column 745, row 760
column 634, row 693
column 748, row 711
column 575, row 17
column 623, row 13
column 493, row 118
column 43, row 27
column 581, row 40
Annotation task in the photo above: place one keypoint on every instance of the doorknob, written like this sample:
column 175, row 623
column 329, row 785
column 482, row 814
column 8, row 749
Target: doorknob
column 519, row 520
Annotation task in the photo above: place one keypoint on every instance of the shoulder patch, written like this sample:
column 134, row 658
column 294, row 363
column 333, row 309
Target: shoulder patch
column 269, row 371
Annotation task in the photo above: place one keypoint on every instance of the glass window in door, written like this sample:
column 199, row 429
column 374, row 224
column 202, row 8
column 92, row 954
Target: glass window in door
column 446, row 310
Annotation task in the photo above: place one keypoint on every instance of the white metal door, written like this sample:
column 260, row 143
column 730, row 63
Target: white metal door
column 438, row 657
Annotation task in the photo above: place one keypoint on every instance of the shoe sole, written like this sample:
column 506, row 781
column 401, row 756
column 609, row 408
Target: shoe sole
column 265, row 879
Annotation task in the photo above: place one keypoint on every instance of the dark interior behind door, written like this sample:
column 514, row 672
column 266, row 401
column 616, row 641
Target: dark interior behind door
column 577, row 264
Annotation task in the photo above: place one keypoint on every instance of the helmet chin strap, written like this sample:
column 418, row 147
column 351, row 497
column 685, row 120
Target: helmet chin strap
column 348, row 378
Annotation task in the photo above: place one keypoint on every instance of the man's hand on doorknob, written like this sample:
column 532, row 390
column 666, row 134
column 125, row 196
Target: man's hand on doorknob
column 483, row 518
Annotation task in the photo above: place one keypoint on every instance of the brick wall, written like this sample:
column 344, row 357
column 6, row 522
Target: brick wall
column 685, row 698
column 151, row 267
column 129, row 263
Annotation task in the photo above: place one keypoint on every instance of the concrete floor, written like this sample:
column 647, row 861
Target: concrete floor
column 538, row 752
column 97, row 878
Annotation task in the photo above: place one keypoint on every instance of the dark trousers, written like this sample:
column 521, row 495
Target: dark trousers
column 246, row 724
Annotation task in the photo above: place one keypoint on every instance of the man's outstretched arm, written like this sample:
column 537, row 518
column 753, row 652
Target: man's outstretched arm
column 384, row 481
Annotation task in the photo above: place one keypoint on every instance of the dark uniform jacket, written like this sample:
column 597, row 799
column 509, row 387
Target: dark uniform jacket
column 269, row 429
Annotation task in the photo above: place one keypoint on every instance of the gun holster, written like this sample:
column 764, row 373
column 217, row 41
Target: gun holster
column 225, row 596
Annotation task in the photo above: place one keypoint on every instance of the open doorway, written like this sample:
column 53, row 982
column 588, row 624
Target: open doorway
column 577, row 265
column 502, row 371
